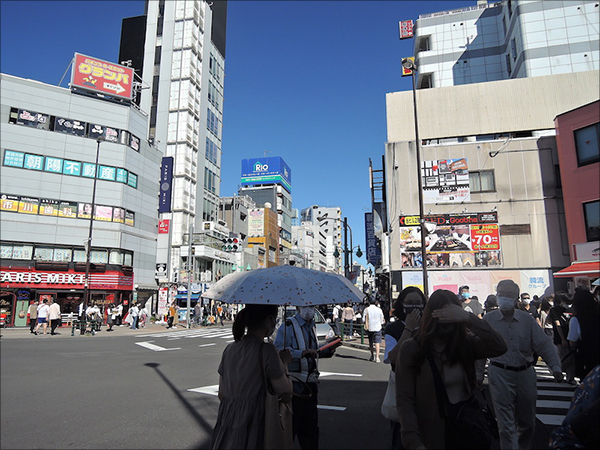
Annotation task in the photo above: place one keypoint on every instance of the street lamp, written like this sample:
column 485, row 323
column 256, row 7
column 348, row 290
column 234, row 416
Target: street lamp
column 86, row 286
column 409, row 64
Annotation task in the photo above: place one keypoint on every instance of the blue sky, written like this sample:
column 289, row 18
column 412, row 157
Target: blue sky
column 304, row 80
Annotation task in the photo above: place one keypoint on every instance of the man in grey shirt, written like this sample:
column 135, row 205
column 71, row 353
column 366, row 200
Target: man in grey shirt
column 512, row 378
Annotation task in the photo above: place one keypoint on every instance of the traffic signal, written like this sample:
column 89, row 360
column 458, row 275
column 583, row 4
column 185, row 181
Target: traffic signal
column 231, row 244
column 336, row 253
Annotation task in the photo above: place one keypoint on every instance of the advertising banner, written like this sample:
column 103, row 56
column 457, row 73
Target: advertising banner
column 273, row 170
column 103, row 213
column 163, row 226
column 118, row 215
column 406, row 29
column 166, row 180
column 48, row 207
column 478, row 282
column 445, row 181
column 536, row 282
column 256, row 222
column 69, row 126
column 101, row 76
column 443, row 280
column 412, row 279
column 373, row 252
column 9, row 203
column 29, row 205
column 453, row 240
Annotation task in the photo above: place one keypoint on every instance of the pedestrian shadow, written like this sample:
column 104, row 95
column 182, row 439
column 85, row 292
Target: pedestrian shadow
column 360, row 358
column 193, row 412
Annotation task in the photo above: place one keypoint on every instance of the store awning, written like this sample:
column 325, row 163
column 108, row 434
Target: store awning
column 184, row 296
column 580, row 269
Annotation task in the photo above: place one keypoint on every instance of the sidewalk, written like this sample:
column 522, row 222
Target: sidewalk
column 65, row 332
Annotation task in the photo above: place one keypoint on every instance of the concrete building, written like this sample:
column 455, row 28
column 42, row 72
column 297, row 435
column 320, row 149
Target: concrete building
column 181, row 61
column 491, row 186
column 49, row 139
column 269, row 180
column 263, row 236
column 506, row 40
column 327, row 237
column 577, row 134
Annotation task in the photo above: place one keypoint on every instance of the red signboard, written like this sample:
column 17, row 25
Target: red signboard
column 406, row 29
column 405, row 71
column 163, row 226
column 40, row 279
column 485, row 237
column 100, row 76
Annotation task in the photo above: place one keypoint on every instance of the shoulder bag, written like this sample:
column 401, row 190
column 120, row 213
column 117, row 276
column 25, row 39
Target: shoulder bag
column 278, row 416
column 468, row 423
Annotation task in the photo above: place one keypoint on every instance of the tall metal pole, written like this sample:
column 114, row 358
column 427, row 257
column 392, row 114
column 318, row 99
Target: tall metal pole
column 346, row 260
column 420, row 181
column 190, row 270
column 86, row 286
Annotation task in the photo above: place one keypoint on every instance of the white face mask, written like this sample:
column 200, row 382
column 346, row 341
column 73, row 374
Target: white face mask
column 307, row 313
column 506, row 303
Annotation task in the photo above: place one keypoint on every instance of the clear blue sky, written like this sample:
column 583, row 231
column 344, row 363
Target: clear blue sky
column 304, row 80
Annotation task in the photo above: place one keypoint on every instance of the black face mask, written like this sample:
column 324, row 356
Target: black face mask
column 445, row 330
column 409, row 309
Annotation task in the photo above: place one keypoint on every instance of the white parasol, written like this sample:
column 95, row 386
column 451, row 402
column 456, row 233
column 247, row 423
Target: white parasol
column 284, row 285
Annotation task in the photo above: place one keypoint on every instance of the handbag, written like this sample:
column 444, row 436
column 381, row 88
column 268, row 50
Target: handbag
column 278, row 416
column 388, row 407
column 468, row 424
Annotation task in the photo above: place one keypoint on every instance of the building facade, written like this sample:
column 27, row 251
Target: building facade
column 492, row 197
column 577, row 136
column 50, row 138
column 326, row 226
column 181, row 62
column 506, row 40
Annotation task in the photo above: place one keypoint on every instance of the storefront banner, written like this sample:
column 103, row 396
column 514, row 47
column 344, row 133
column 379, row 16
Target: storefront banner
column 412, row 279
column 103, row 213
column 29, row 205
column 48, row 207
column 444, row 280
column 536, row 282
column 497, row 276
column 9, row 203
column 478, row 282
column 38, row 279
column 163, row 297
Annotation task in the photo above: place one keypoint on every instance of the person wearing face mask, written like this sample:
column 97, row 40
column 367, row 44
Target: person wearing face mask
column 298, row 334
column 526, row 305
column 241, row 417
column 471, row 304
column 512, row 378
column 450, row 340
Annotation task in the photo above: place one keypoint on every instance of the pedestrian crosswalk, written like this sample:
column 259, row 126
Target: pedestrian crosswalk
column 203, row 333
column 554, row 399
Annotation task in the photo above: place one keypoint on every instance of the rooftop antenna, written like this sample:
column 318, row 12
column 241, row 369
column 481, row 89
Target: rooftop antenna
column 265, row 153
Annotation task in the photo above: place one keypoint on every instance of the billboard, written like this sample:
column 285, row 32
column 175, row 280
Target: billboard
column 256, row 222
column 273, row 170
column 453, row 240
column 445, row 181
column 373, row 249
column 103, row 77
column 406, row 29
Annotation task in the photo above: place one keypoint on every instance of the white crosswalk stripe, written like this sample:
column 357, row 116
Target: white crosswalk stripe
column 554, row 399
column 203, row 333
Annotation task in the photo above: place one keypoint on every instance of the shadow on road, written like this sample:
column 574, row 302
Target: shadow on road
column 199, row 419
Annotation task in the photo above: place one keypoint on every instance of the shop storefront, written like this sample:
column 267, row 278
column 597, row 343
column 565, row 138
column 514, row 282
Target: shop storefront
column 19, row 286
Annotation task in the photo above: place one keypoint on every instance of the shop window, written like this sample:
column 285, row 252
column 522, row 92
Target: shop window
column 62, row 254
column 586, row 144
column 79, row 256
column 99, row 256
column 43, row 254
column 22, row 251
column 128, row 259
column 6, row 251
column 116, row 257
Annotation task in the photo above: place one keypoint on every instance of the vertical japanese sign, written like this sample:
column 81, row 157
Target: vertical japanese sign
column 101, row 76
column 407, row 72
column 373, row 250
column 406, row 29
column 166, row 181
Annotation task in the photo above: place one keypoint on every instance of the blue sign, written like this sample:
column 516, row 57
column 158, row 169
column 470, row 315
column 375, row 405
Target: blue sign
column 13, row 159
column 373, row 249
column 273, row 170
column 166, row 183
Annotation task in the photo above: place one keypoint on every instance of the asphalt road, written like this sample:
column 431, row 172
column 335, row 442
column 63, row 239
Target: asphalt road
column 156, row 389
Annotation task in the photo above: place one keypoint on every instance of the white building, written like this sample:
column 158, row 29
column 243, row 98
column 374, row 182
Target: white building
column 505, row 40
column 181, row 62
column 326, row 224
column 49, row 139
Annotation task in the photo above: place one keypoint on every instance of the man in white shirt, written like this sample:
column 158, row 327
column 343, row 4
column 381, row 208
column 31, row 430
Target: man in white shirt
column 374, row 321
column 54, row 316
column 42, row 311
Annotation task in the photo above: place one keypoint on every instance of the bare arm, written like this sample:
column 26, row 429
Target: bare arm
column 282, row 386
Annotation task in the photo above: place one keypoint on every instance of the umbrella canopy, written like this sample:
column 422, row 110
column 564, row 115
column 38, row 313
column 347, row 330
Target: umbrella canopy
column 284, row 285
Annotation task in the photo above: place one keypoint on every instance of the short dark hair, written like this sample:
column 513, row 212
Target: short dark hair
column 464, row 287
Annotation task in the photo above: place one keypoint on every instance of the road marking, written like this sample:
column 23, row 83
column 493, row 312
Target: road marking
column 332, row 408
column 154, row 347
column 209, row 390
column 332, row 374
column 207, row 345
column 550, row 419
column 557, row 386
